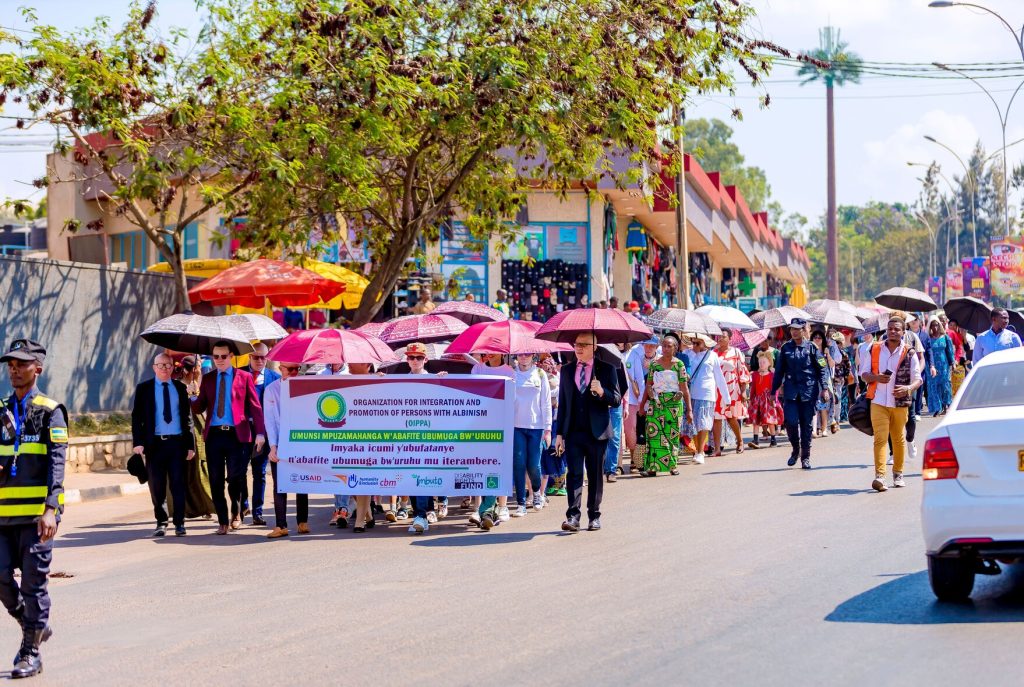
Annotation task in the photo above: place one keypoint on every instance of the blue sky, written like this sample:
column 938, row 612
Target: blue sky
column 880, row 122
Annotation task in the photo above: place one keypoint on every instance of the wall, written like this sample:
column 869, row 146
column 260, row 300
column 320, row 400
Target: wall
column 88, row 317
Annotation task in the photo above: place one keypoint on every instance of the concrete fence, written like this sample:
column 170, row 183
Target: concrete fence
column 99, row 453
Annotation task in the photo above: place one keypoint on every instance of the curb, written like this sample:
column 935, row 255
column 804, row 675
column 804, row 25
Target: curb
column 101, row 493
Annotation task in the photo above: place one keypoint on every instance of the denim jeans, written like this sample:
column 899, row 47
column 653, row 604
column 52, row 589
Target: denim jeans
column 259, row 462
column 421, row 505
column 611, row 456
column 526, row 460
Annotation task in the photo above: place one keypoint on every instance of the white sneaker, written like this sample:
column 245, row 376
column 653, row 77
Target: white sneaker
column 503, row 514
column 897, row 480
column 913, row 451
column 519, row 512
column 474, row 518
column 879, row 483
column 538, row 502
column 698, row 458
column 431, row 517
column 442, row 511
column 419, row 526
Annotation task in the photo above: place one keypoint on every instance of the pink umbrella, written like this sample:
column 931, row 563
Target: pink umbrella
column 372, row 328
column 609, row 326
column 331, row 346
column 745, row 341
column 422, row 328
column 510, row 337
column 469, row 312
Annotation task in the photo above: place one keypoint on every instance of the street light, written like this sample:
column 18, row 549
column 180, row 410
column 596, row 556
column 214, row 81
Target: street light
column 969, row 175
column 1017, row 38
column 950, row 213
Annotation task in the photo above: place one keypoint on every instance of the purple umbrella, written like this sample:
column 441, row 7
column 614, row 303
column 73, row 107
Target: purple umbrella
column 422, row 328
column 608, row 326
column 469, row 312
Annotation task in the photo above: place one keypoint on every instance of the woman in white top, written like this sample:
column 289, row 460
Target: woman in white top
column 707, row 381
column 532, row 430
column 485, row 514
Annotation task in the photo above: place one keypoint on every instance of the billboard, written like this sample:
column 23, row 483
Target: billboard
column 933, row 287
column 954, row 283
column 1007, row 274
column 976, row 277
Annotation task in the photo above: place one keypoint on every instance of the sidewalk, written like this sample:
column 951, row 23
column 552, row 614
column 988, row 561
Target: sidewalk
column 80, row 487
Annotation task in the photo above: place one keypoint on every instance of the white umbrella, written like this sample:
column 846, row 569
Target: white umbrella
column 730, row 318
column 257, row 327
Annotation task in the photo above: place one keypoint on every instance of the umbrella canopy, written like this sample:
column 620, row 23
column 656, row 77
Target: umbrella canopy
column 331, row 346
column 779, row 317
column 835, row 317
column 257, row 327
column 608, row 326
column 688, row 321
column 731, row 318
column 434, row 351
column 469, row 312
column 355, row 284
column 196, row 267
column 372, row 328
column 823, row 305
column 971, row 313
column 746, row 341
column 876, row 323
column 1016, row 320
column 910, row 300
column 424, row 328
column 798, row 298
column 252, row 283
column 510, row 337
column 191, row 333
column 455, row 366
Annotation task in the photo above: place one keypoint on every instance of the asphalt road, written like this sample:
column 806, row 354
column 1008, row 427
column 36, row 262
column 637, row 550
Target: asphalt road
column 740, row 572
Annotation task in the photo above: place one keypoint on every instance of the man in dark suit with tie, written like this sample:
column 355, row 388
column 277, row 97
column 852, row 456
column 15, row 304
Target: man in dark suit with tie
column 162, row 430
column 263, row 377
column 228, row 396
column 587, row 390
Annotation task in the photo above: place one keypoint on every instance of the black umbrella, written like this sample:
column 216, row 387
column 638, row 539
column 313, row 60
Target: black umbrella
column 973, row 314
column 1016, row 320
column 779, row 317
column 910, row 300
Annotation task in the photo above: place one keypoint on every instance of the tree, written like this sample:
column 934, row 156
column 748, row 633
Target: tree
column 402, row 114
column 840, row 66
column 710, row 142
column 183, row 131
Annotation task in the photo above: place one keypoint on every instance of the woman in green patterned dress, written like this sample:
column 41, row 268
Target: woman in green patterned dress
column 667, row 394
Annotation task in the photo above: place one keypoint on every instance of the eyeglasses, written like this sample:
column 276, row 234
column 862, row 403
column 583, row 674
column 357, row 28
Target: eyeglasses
column 288, row 368
column 579, row 344
column 163, row 366
column 221, row 357
column 257, row 357
column 416, row 357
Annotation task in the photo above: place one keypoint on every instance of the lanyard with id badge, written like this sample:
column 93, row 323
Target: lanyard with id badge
column 13, row 424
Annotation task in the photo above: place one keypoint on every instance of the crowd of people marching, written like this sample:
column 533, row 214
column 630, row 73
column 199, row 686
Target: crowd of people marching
column 672, row 400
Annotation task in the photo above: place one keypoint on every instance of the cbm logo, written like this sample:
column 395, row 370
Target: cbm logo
column 331, row 409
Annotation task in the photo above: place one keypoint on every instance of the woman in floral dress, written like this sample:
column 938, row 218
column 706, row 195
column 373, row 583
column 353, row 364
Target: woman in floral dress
column 737, row 378
column 665, row 397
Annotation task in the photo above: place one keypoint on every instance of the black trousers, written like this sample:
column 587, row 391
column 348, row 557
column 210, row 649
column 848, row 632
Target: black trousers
column 799, row 416
column 584, row 453
column 281, row 504
column 165, row 465
column 20, row 548
column 258, row 460
column 226, row 458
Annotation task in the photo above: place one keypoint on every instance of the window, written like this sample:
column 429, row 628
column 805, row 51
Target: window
column 464, row 260
column 190, row 249
column 994, row 386
column 130, row 248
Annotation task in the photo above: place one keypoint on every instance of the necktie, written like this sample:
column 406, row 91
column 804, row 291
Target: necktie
column 583, row 376
column 222, row 391
column 167, row 403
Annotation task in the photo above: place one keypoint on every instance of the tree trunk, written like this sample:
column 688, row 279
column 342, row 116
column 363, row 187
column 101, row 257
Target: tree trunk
column 832, row 248
column 386, row 271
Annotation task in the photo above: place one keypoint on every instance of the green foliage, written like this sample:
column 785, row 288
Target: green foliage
column 832, row 63
column 710, row 142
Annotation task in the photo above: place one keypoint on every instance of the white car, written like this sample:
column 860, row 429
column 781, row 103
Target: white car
column 972, row 508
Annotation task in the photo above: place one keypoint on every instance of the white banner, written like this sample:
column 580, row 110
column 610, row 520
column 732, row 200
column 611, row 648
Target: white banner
column 408, row 435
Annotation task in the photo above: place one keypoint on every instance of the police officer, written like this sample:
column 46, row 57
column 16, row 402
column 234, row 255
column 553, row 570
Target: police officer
column 33, row 441
column 802, row 377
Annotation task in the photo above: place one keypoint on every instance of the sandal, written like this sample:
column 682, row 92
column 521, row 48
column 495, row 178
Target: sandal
column 753, row 445
column 467, row 503
column 358, row 530
column 370, row 523
column 674, row 471
column 651, row 473
column 739, row 448
column 717, row 453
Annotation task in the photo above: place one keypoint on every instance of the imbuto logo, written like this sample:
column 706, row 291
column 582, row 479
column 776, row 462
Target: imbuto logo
column 428, row 481
column 331, row 409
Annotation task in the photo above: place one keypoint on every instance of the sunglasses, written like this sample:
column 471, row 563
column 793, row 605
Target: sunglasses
column 257, row 357
column 221, row 357
column 416, row 357
column 289, row 368
column 581, row 345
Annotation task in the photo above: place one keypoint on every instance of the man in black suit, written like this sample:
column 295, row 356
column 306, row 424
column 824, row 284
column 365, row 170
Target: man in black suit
column 587, row 390
column 162, row 430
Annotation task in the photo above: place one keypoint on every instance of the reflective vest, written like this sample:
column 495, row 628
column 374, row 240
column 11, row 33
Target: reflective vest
column 876, row 352
column 32, row 477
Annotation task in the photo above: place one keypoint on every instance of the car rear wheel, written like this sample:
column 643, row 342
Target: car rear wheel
column 952, row 579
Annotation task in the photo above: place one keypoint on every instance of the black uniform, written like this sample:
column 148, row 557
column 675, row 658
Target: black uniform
column 32, row 479
column 801, row 375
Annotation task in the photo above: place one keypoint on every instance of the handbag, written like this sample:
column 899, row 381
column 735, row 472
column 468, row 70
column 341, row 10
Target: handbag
column 860, row 415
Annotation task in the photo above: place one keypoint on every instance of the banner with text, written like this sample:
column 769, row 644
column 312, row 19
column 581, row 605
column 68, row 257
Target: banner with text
column 954, row 283
column 408, row 435
column 1007, row 266
column 933, row 286
column 976, row 277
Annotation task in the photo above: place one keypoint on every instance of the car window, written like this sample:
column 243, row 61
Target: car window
column 994, row 386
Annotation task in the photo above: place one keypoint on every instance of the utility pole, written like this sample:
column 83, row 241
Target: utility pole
column 682, row 244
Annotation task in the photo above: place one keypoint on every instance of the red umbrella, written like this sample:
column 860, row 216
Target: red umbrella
column 331, row 346
column 469, row 312
column 609, row 326
column 510, row 337
column 423, row 328
column 252, row 284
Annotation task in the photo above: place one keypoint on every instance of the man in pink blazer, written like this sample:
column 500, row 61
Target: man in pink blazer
column 228, row 397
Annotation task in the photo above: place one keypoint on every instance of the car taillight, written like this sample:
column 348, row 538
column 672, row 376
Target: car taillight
column 939, row 459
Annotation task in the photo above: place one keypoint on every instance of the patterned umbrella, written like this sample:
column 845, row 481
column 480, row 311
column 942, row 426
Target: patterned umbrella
column 823, row 304
column 257, row 327
column 469, row 312
column 835, row 317
column 434, row 351
column 608, row 326
column 779, row 317
column 731, row 318
column 746, row 341
column 687, row 321
column 331, row 346
column 510, row 337
column 910, row 300
column 423, row 328
column 372, row 328
column 191, row 333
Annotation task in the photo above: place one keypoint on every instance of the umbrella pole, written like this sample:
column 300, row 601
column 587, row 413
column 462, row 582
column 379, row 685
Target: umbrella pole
column 307, row 318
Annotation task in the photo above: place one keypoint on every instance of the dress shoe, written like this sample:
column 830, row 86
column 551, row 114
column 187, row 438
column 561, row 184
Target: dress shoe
column 277, row 533
column 46, row 633
column 792, row 461
column 571, row 525
column 160, row 531
column 611, row 477
column 222, row 529
column 805, row 463
column 594, row 525
column 29, row 661
column 303, row 528
column 179, row 531
column 257, row 520
column 245, row 511
column 236, row 523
